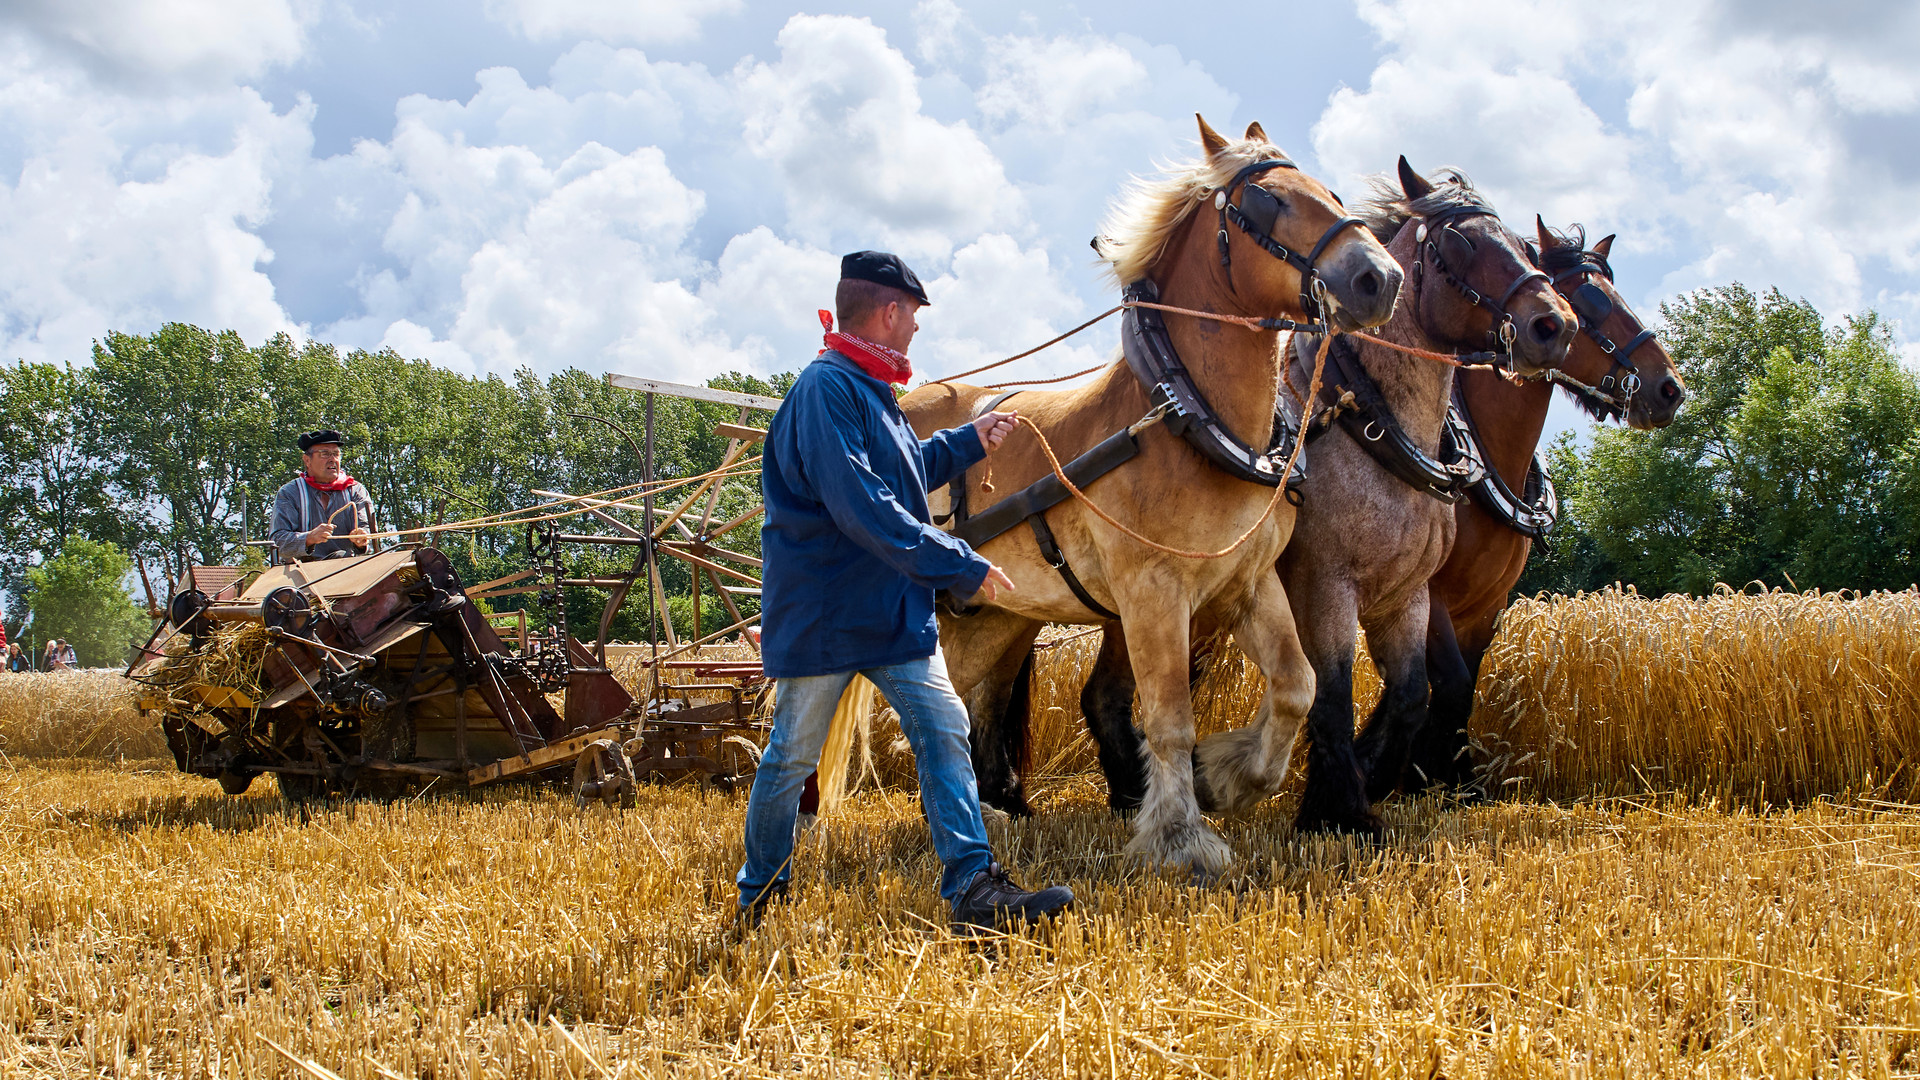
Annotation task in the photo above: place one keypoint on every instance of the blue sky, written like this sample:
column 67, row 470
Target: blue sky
column 663, row 188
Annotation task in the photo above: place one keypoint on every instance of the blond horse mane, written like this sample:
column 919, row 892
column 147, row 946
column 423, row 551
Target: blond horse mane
column 1135, row 233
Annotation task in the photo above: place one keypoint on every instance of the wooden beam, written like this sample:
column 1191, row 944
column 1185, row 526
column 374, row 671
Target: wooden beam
column 741, row 432
column 696, row 393
column 546, row 757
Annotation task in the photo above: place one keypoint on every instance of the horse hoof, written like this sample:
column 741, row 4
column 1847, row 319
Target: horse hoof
column 1365, row 824
column 1195, row 848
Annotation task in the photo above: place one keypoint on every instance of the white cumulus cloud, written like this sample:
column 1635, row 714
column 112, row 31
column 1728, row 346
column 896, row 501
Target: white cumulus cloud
column 617, row 21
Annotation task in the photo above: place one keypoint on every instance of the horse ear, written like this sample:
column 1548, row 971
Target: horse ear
column 1255, row 131
column 1547, row 240
column 1604, row 248
column 1413, row 183
column 1213, row 142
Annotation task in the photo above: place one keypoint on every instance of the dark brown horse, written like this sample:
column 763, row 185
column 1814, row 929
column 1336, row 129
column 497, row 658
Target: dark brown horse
column 1618, row 370
column 1366, row 540
column 1224, row 236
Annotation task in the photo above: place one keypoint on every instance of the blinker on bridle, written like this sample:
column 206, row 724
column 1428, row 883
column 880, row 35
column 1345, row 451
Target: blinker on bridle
column 1594, row 307
column 1254, row 215
column 1446, row 247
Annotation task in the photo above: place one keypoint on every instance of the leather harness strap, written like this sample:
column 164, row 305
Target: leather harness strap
column 1050, row 551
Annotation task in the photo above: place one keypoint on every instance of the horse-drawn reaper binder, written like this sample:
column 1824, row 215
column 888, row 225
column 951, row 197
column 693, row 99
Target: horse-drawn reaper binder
column 379, row 674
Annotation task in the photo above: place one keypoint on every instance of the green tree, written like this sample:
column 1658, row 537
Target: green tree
column 77, row 595
column 1796, row 458
column 53, row 477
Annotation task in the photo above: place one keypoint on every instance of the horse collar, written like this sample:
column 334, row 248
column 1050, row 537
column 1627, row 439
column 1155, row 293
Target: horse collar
column 1533, row 511
column 1372, row 425
column 1153, row 360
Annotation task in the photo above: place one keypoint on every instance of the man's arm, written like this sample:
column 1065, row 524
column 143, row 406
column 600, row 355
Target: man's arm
column 289, row 534
column 866, row 509
column 947, row 454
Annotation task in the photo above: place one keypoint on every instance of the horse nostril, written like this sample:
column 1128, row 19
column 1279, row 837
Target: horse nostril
column 1669, row 389
column 1367, row 284
column 1546, row 328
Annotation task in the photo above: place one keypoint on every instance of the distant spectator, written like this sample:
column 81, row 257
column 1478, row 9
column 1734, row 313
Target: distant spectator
column 46, row 655
column 17, row 659
column 64, row 658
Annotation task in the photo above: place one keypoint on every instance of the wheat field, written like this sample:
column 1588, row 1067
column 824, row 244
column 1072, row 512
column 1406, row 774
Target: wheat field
column 1750, row 910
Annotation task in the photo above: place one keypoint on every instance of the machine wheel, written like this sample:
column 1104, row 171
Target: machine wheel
column 234, row 783
column 602, row 773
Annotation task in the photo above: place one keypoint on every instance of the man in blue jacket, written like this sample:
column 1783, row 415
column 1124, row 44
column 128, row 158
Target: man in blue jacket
column 852, row 564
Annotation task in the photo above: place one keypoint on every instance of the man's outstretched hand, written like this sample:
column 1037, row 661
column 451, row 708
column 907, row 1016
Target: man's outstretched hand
column 993, row 429
column 996, row 583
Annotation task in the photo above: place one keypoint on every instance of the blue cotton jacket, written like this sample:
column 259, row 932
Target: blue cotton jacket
column 852, row 557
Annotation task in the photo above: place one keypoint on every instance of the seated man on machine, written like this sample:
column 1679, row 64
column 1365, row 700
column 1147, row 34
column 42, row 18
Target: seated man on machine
column 323, row 513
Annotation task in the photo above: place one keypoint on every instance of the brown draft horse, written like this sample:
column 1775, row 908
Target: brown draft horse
column 1366, row 542
column 1166, row 233
column 1632, row 379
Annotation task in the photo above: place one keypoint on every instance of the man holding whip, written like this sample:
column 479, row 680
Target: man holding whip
column 323, row 513
column 852, row 564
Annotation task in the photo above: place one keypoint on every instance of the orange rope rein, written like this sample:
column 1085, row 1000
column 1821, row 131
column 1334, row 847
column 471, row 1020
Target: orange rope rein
column 1279, row 492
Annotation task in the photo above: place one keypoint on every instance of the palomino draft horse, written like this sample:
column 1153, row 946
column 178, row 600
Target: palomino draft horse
column 1617, row 369
column 1222, row 235
column 1376, row 520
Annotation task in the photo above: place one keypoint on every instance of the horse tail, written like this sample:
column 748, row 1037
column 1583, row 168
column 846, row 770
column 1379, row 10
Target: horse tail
column 852, row 721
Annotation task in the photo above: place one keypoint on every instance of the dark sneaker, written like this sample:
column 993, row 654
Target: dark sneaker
column 755, row 908
column 991, row 900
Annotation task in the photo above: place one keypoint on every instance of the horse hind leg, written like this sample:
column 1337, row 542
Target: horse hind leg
column 1107, row 704
column 1399, row 649
column 1440, row 746
column 1168, row 830
column 1236, row 769
column 1000, row 717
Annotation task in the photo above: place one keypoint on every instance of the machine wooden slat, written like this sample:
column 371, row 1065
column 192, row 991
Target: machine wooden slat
column 543, row 758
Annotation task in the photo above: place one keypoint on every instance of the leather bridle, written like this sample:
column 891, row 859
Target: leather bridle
column 1435, row 235
column 1254, row 215
column 1592, row 304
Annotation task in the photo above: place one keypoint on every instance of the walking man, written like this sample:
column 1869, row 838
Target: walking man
column 852, row 564
column 323, row 513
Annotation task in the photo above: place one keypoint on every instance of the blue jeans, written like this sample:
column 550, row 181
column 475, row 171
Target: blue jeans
column 935, row 723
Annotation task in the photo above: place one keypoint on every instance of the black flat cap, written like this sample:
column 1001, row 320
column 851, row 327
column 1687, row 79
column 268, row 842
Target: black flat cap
column 883, row 268
column 317, row 438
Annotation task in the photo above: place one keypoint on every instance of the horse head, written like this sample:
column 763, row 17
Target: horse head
column 1614, row 354
column 1284, row 241
column 1474, row 282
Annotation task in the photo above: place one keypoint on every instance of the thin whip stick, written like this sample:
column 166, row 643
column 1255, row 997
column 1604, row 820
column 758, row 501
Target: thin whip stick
column 1279, row 492
column 506, row 518
column 1035, row 349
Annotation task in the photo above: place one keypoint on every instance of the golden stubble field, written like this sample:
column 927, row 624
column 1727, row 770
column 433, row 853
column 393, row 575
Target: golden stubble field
column 154, row 927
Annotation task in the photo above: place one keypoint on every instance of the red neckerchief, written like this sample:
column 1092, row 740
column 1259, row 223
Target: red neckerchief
column 341, row 484
column 878, row 361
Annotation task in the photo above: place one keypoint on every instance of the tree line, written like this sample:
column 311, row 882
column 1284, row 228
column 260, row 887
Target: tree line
column 1796, row 461
column 168, row 448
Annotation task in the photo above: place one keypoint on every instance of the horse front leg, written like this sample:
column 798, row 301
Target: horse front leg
column 1236, row 769
column 1169, row 830
column 1107, row 704
column 1398, row 644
